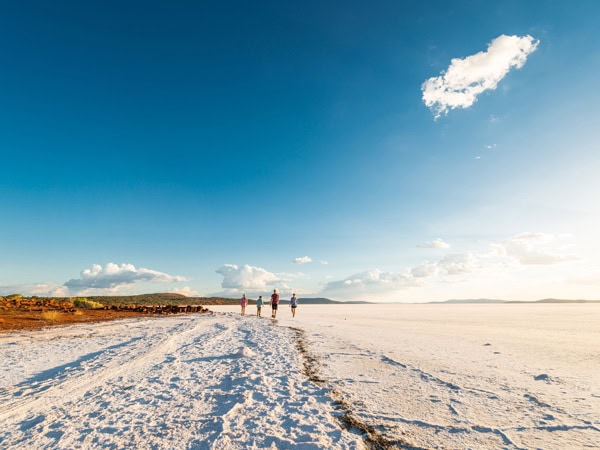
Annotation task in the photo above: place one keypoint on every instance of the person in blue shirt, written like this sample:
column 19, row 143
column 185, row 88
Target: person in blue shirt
column 293, row 304
column 259, row 305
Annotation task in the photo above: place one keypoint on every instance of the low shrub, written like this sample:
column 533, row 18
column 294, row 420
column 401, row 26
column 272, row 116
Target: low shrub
column 50, row 315
column 84, row 303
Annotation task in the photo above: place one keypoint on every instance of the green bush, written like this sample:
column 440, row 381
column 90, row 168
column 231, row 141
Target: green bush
column 84, row 303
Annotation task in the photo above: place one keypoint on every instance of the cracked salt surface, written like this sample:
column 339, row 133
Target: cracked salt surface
column 334, row 377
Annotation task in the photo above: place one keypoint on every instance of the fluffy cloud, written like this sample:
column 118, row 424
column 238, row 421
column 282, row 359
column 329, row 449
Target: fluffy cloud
column 458, row 264
column 436, row 243
column 376, row 281
column 247, row 278
column 532, row 248
column 465, row 79
column 40, row 289
column 187, row 291
column 425, row 270
column 324, row 262
column 114, row 275
column 522, row 249
column 302, row 260
column 370, row 282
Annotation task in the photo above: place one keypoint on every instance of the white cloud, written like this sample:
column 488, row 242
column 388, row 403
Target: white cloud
column 39, row 289
column 425, row 270
column 187, row 291
column 532, row 248
column 465, row 79
column 458, row 264
column 513, row 255
column 436, row 243
column 302, row 260
column 455, row 264
column 323, row 262
column 247, row 278
column 113, row 276
column 369, row 283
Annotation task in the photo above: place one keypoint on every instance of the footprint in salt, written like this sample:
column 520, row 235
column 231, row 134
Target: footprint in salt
column 453, row 410
column 245, row 352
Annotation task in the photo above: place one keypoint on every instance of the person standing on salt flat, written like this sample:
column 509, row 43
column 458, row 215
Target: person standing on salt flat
column 274, row 303
column 259, row 304
column 244, row 302
column 293, row 304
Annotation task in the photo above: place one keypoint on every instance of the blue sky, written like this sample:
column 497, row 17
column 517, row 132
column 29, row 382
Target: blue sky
column 391, row 151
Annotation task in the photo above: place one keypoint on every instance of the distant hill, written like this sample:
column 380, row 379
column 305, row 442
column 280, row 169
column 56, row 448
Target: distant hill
column 471, row 301
column 312, row 301
column 179, row 299
column 487, row 301
column 161, row 299
column 558, row 300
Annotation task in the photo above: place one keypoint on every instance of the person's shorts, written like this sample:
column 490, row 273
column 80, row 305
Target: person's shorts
column 274, row 305
column 294, row 307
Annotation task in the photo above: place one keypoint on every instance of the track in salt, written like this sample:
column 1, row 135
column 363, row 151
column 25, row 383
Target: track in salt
column 202, row 382
column 373, row 436
column 410, row 407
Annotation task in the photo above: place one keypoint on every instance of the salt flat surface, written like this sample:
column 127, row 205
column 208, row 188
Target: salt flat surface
column 190, row 382
column 417, row 376
column 464, row 376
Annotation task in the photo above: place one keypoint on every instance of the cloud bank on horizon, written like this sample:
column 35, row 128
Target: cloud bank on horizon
column 521, row 250
column 114, row 275
column 532, row 249
column 524, row 249
column 465, row 79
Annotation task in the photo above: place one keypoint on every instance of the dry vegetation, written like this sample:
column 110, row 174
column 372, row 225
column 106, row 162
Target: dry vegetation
column 51, row 316
column 19, row 312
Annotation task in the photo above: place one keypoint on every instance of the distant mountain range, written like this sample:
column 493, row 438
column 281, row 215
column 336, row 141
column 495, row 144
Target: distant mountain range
column 487, row 300
column 326, row 301
column 470, row 301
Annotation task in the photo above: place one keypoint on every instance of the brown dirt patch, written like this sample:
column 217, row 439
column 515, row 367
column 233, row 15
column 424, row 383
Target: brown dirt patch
column 13, row 319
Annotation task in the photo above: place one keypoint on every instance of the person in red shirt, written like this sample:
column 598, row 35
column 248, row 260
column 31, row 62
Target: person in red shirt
column 274, row 303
